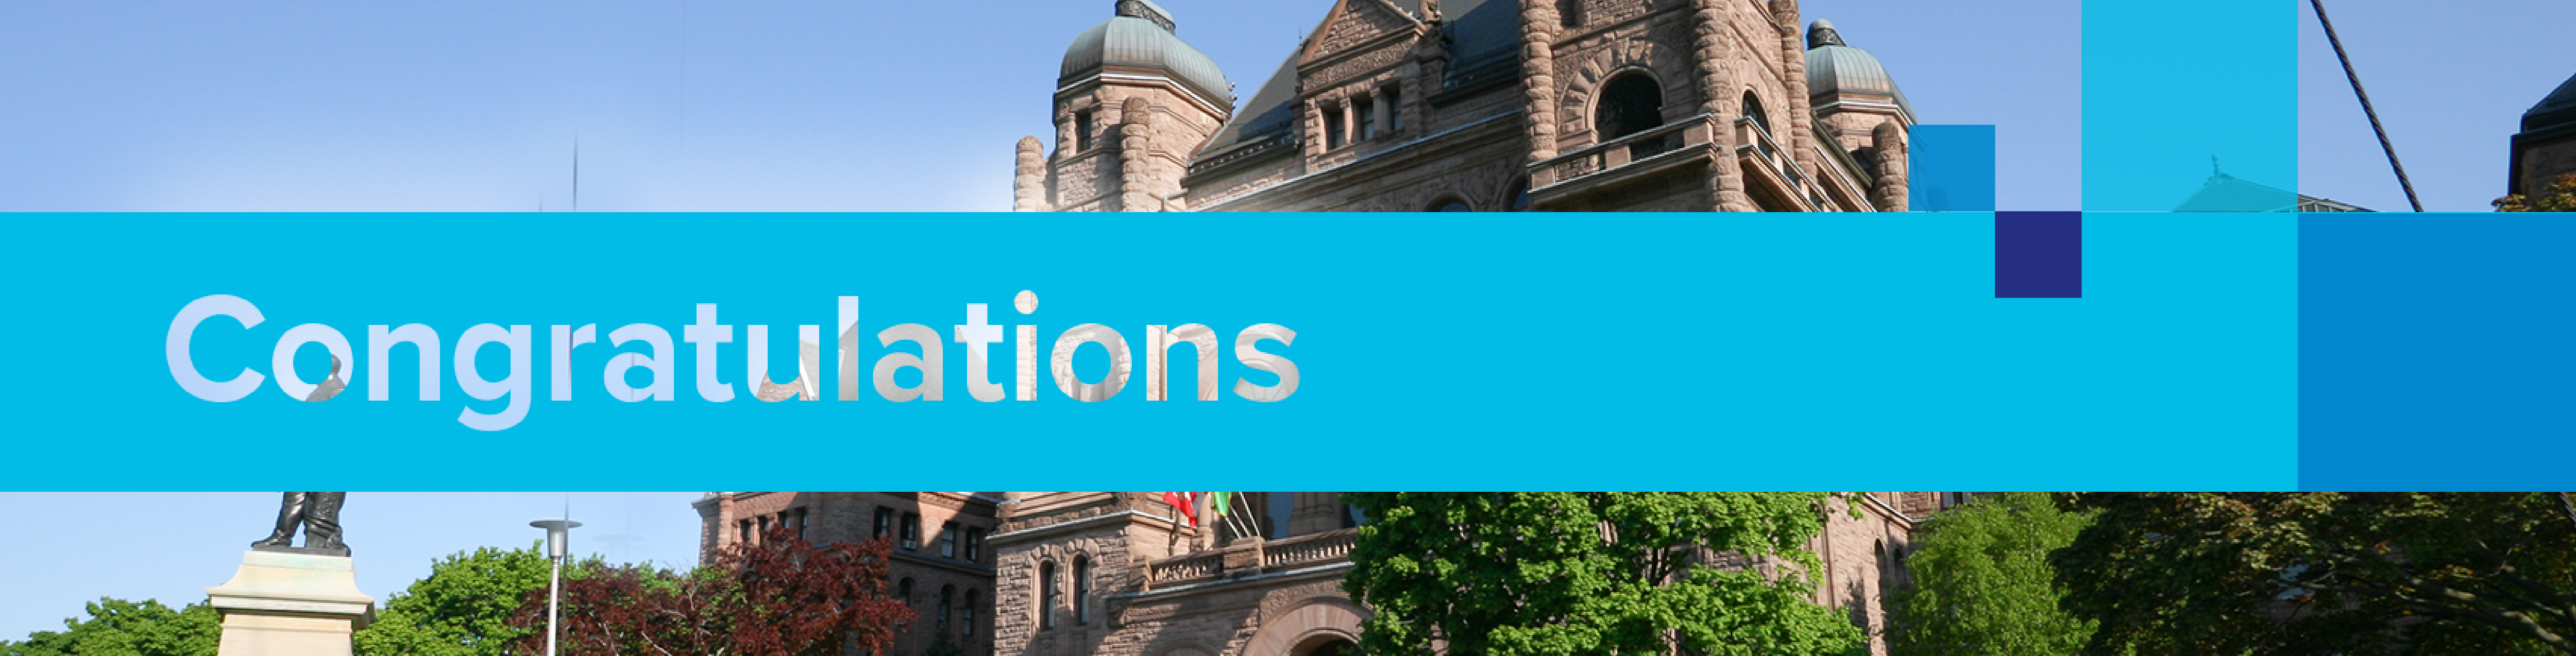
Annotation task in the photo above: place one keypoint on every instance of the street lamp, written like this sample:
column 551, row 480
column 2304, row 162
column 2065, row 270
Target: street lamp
column 558, row 532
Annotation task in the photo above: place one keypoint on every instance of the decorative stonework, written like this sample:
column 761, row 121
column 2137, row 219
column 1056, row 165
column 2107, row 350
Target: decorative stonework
column 1361, row 64
column 1583, row 76
column 1358, row 22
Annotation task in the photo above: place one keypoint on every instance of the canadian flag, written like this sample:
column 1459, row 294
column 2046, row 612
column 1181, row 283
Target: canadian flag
column 1186, row 502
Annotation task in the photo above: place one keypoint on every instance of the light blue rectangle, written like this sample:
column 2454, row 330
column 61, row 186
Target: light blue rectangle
column 1952, row 168
column 1589, row 351
column 2175, row 90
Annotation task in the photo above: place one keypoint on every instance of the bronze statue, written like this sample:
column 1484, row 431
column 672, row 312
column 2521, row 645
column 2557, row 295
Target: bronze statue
column 319, row 514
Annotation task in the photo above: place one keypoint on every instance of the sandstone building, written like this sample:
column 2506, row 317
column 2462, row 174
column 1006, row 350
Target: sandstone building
column 1480, row 105
column 1114, row 573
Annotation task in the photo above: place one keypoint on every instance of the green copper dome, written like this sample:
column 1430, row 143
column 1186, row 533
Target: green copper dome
column 1839, row 73
column 1139, row 41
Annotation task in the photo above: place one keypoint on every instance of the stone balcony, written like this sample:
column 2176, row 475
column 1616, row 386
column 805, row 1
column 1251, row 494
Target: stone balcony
column 1251, row 557
column 1666, row 147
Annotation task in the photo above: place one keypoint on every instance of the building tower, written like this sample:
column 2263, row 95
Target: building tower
column 1132, row 104
column 1861, row 109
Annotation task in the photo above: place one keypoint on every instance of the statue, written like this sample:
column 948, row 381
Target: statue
column 319, row 514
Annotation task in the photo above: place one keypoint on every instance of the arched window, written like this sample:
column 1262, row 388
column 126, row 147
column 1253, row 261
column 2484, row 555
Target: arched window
column 1753, row 110
column 903, row 590
column 1629, row 104
column 1332, row 647
column 1046, row 595
column 966, row 616
column 1081, row 590
column 947, row 597
column 1451, row 204
column 1569, row 13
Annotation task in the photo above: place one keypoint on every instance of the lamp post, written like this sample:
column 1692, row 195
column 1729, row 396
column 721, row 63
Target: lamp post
column 558, row 532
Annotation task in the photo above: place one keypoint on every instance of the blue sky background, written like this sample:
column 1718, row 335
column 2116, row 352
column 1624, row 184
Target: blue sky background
column 2450, row 81
column 68, row 549
column 690, row 105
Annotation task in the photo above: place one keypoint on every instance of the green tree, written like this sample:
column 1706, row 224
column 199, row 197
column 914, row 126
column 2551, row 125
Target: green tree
column 463, row 608
column 2280, row 573
column 1982, row 583
column 1627, row 573
column 117, row 627
column 2559, row 197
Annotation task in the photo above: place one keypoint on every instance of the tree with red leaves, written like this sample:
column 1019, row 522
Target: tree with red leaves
column 779, row 597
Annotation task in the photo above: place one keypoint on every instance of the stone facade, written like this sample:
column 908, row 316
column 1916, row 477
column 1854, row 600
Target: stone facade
column 1485, row 105
column 1117, row 574
column 1156, row 587
column 941, row 549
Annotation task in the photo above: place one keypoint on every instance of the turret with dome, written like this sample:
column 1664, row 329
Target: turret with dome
column 1132, row 102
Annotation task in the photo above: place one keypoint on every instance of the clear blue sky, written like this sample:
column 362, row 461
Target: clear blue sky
column 688, row 105
column 2451, row 81
column 67, row 549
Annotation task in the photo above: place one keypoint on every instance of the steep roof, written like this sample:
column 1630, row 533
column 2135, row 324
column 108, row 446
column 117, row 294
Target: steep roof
column 2557, row 109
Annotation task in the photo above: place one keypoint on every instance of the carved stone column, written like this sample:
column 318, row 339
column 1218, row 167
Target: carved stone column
column 1135, row 153
column 1028, row 188
column 1889, row 193
column 1538, row 75
column 1713, row 52
column 1793, row 62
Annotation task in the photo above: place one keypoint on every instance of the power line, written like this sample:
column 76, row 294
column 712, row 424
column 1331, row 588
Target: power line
column 2375, row 128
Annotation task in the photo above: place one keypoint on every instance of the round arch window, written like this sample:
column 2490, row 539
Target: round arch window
column 1333, row 647
column 1451, row 205
column 1629, row 104
column 1753, row 110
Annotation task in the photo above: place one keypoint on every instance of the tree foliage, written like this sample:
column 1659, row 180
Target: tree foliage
column 1982, row 582
column 1529, row 574
column 781, row 597
column 117, row 627
column 2482, row 574
column 464, row 606
column 2560, row 196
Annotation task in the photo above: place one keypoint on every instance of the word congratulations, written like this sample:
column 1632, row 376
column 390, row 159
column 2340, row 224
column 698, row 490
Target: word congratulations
column 657, row 357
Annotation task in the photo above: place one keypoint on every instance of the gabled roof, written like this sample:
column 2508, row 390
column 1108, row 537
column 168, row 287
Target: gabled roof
column 1475, row 28
column 2226, row 193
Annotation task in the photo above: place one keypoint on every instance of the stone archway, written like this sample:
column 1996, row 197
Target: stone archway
column 1302, row 630
column 1583, row 77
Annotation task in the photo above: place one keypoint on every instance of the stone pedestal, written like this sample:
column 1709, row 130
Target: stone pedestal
column 291, row 604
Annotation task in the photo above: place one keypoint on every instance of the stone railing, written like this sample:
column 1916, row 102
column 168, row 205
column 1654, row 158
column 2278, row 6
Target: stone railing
column 1760, row 147
column 1615, row 153
column 1186, row 569
column 1310, row 549
column 1249, row 557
